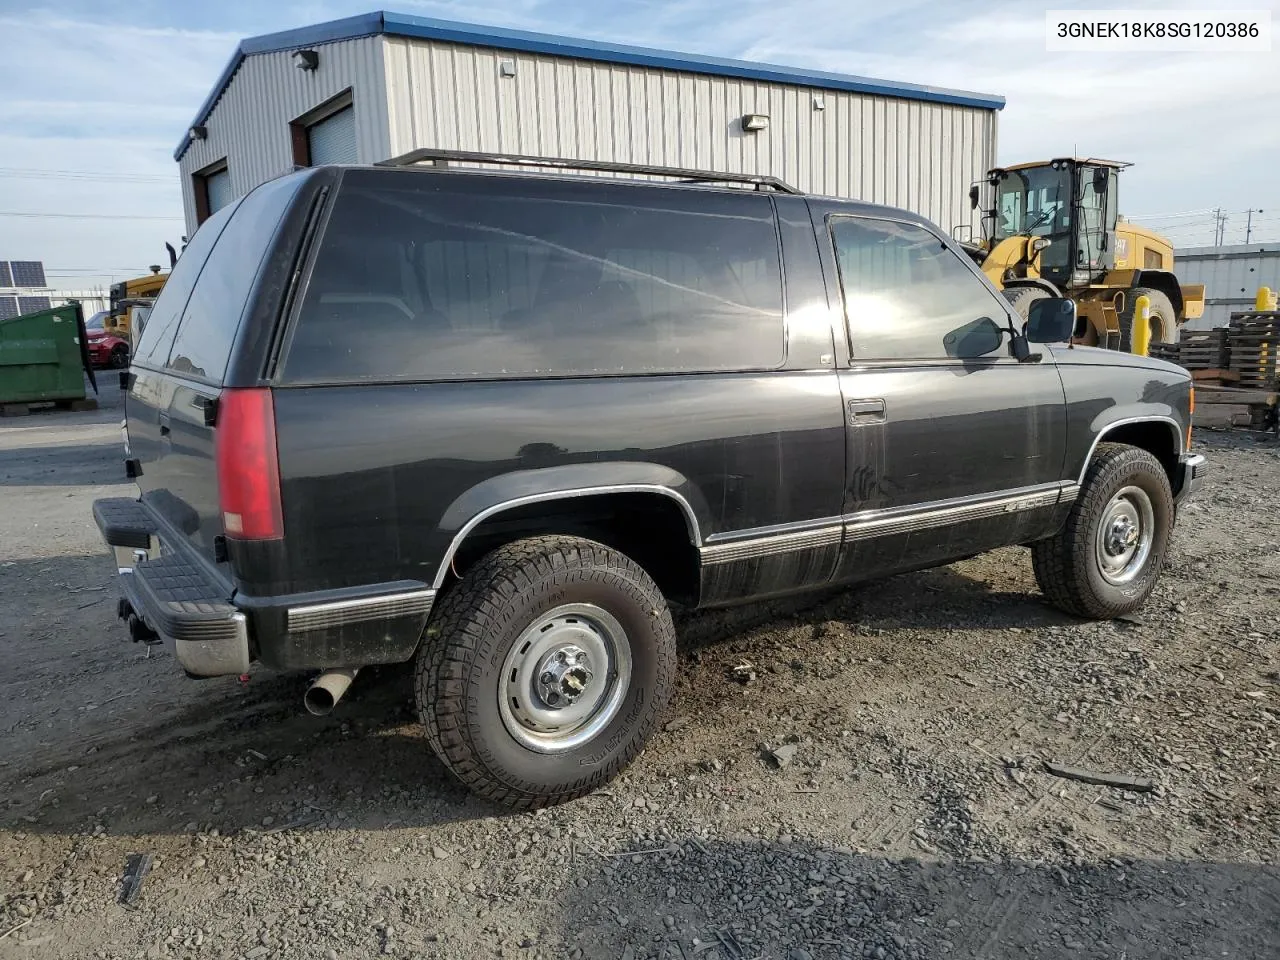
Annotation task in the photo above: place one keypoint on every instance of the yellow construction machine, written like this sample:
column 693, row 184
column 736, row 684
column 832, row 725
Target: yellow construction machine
column 1053, row 231
column 128, row 294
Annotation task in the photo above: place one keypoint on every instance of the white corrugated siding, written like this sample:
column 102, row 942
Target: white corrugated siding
column 906, row 153
column 1231, row 276
column 249, row 125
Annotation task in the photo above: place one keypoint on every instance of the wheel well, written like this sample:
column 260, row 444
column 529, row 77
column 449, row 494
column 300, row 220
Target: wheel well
column 650, row 528
column 1166, row 283
column 1154, row 436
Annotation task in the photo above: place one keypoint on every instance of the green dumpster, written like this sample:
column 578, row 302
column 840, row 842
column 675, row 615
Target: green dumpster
column 44, row 356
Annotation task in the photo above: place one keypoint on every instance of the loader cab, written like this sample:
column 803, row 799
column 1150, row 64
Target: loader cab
column 1066, row 208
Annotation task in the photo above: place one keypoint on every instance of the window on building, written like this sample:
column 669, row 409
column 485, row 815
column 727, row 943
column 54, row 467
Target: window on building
column 425, row 277
column 212, row 188
column 905, row 292
column 326, row 134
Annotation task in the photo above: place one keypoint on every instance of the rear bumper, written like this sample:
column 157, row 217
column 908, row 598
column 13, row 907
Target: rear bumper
column 215, row 631
column 1193, row 467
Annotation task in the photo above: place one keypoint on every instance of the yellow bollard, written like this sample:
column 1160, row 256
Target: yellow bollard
column 1266, row 300
column 1141, row 334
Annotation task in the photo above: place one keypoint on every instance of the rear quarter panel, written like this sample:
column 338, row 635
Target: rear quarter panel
column 377, row 480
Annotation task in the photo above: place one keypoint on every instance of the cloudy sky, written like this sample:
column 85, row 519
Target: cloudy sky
column 98, row 92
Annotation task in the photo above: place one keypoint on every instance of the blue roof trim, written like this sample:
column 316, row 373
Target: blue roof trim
column 429, row 28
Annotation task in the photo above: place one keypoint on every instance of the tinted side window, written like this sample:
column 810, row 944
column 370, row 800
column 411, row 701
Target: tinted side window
column 904, row 291
column 213, row 312
column 422, row 276
column 162, row 325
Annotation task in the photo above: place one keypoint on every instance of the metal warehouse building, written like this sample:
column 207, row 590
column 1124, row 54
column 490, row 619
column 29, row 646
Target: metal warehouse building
column 1231, row 276
column 376, row 86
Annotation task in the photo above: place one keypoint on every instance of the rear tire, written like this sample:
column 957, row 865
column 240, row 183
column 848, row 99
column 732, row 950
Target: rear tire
column 544, row 671
column 1164, row 319
column 1021, row 298
column 1105, row 562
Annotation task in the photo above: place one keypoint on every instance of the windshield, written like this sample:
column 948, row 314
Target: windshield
column 97, row 321
column 1035, row 201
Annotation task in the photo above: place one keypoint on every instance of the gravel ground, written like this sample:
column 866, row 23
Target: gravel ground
column 853, row 774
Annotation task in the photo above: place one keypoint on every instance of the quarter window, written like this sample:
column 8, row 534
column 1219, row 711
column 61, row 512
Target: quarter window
column 427, row 276
column 905, row 292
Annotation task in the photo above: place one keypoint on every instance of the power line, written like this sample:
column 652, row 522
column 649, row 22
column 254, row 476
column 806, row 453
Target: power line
column 85, row 216
column 30, row 173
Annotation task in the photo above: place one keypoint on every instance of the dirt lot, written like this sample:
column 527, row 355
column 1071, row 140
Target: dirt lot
column 914, row 820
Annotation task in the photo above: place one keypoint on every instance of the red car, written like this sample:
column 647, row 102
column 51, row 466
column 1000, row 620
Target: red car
column 105, row 348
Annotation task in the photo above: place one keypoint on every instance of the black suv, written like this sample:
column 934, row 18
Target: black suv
column 499, row 421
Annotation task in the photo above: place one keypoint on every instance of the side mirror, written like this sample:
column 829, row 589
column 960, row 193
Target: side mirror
column 1100, row 178
column 975, row 339
column 973, row 196
column 1051, row 320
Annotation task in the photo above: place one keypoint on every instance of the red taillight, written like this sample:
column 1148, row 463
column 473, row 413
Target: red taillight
column 248, row 467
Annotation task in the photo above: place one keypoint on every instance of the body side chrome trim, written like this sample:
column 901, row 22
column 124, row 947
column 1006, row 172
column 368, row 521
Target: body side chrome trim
column 827, row 531
column 691, row 519
column 882, row 523
column 338, row 613
column 819, row 534
column 1155, row 418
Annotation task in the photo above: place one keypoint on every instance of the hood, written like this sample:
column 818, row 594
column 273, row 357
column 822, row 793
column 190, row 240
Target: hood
column 1100, row 357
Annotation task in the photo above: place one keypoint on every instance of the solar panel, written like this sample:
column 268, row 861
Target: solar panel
column 8, row 307
column 32, row 304
column 6, row 277
column 27, row 273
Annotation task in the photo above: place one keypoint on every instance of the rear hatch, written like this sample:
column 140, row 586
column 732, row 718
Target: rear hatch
column 178, row 371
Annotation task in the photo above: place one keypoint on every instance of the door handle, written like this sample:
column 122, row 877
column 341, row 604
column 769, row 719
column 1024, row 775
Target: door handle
column 164, row 424
column 866, row 411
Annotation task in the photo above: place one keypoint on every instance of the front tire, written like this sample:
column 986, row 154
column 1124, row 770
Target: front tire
column 119, row 358
column 1105, row 562
column 545, row 669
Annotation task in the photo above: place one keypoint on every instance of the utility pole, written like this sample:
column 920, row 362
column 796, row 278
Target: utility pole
column 1248, row 227
column 1219, row 227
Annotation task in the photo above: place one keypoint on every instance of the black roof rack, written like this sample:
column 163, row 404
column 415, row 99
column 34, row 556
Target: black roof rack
column 442, row 158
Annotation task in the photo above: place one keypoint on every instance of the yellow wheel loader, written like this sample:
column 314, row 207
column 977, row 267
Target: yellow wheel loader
column 130, row 294
column 1053, row 231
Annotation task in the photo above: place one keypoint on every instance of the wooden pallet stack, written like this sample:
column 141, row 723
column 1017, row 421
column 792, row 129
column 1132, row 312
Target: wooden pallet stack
column 1164, row 351
column 1207, row 354
column 1254, row 339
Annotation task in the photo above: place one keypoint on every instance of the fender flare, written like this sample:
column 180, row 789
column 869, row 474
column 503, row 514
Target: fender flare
column 548, row 484
column 1100, row 434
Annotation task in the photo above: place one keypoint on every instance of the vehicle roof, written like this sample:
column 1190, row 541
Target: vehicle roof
column 386, row 23
column 860, row 206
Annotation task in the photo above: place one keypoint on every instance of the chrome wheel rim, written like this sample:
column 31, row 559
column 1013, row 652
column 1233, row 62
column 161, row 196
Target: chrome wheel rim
column 565, row 678
column 1125, row 535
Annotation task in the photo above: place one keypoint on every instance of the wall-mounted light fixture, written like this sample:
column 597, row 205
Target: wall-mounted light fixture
column 506, row 68
column 306, row 59
column 755, row 122
column 198, row 132
column 819, row 102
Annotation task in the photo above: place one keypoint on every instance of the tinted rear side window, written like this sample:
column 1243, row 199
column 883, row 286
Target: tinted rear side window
column 162, row 325
column 213, row 312
column 421, row 276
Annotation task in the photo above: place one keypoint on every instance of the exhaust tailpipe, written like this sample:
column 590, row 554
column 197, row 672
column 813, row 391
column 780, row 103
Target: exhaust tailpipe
column 323, row 695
